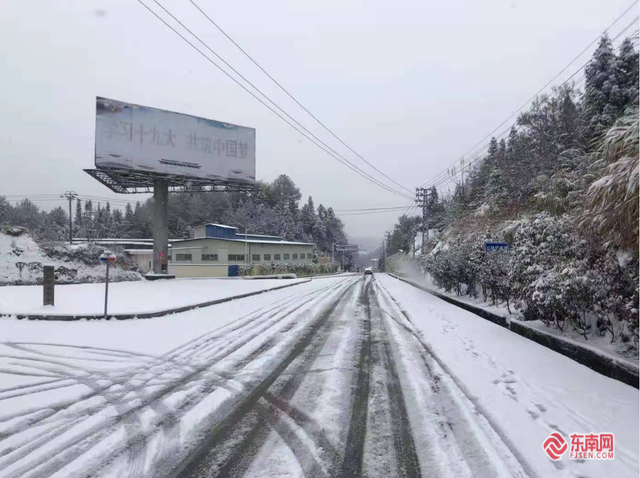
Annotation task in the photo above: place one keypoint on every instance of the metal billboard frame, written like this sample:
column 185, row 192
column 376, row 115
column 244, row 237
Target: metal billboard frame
column 123, row 181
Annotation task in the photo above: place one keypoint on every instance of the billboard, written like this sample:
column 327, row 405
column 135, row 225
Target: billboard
column 143, row 139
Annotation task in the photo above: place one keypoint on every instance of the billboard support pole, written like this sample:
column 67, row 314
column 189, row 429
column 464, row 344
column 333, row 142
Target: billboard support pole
column 160, row 225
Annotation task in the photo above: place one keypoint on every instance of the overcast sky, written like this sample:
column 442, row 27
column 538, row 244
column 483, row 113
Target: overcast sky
column 410, row 85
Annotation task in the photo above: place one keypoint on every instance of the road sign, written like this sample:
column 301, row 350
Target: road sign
column 107, row 256
column 496, row 246
column 148, row 140
column 346, row 248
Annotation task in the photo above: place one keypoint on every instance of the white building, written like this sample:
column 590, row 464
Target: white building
column 216, row 247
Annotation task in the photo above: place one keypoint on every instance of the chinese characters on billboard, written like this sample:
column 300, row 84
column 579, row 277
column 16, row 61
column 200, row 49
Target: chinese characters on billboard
column 148, row 139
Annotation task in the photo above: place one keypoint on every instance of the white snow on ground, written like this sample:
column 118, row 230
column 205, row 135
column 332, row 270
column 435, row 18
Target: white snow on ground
column 23, row 260
column 600, row 344
column 147, row 371
column 128, row 297
column 526, row 390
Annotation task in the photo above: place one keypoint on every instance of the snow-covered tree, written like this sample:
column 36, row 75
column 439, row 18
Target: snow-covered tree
column 604, row 98
column 612, row 200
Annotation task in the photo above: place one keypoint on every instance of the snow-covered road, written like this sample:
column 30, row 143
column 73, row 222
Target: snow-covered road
column 329, row 378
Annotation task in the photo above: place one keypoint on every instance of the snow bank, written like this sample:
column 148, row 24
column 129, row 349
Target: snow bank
column 22, row 260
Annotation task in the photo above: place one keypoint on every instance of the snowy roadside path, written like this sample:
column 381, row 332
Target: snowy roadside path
column 525, row 390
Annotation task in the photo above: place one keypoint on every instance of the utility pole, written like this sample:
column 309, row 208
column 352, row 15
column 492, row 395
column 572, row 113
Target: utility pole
column 70, row 196
column 385, row 248
column 462, row 177
column 422, row 200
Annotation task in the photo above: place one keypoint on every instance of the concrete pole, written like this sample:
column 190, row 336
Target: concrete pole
column 160, row 225
column 106, row 292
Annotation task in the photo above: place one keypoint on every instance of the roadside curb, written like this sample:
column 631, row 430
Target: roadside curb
column 608, row 366
column 148, row 315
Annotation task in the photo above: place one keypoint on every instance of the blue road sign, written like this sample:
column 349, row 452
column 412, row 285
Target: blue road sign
column 496, row 246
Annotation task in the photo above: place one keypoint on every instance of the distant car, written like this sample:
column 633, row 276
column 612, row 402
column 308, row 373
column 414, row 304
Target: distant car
column 368, row 271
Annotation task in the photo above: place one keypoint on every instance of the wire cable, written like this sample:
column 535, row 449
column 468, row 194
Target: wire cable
column 544, row 87
column 317, row 141
column 292, row 97
column 439, row 179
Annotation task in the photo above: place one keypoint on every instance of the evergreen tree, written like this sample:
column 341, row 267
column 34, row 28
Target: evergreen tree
column 108, row 227
column 6, row 211
column 603, row 98
column 117, row 228
column 77, row 218
column 88, row 221
column 628, row 71
column 129, row 221
column 308, row 219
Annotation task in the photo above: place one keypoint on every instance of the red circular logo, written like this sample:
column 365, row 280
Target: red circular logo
column 161, row 255
column 555, row 446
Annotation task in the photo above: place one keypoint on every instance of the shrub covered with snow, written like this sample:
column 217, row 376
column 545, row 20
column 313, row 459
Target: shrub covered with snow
column 553, row 273
column 301, row 270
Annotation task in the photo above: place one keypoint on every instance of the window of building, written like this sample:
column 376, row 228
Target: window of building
column 267, row 257
column 236, row 257
column 210, row 257
column 286, row 257
column 301, row 256
column 255, row 257
column 183, row 257
column 294, row 257
column 276, row 257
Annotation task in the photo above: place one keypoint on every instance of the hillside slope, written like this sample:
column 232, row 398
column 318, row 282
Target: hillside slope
column 22, row 261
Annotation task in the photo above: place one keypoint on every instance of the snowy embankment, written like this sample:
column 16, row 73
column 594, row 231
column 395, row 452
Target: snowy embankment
column 128, row 297
column 524, row 389
column 22, row 261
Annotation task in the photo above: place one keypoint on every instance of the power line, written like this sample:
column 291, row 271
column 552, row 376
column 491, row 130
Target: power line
column 442, row 180
column 371, row 209
column 317, row 141
column 544, row 87
column 292, row 97
column 365, row 213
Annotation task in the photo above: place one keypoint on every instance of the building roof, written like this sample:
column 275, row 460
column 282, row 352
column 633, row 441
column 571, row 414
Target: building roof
column 250, row 241
column 139, row 251
column 218, row 225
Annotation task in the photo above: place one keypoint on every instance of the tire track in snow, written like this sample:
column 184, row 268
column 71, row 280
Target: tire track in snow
column 390, row 409
column 154, row 363
column 485, row 451
column 200, row 459
column 354, row 451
